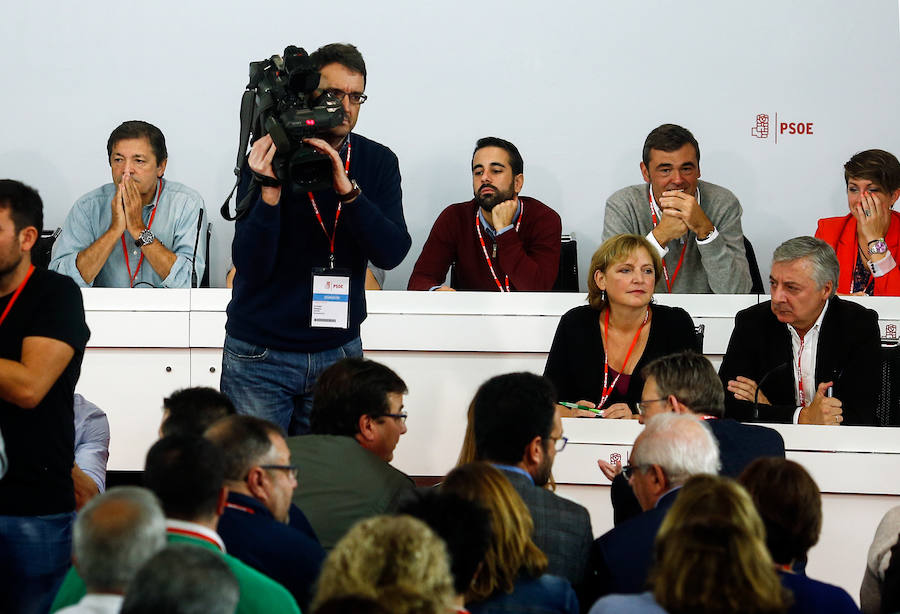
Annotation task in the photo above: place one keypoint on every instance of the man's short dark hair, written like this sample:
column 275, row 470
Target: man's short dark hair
column 668, row 137
column 691, row 378
column 515, row 158
column 245, row 442
column 349, row 389
column 790, row 504
column 186, row 473
column 509, row 411
column 193, row 410
column 24, row 204
column 876, row 165
column 345, row 54
column 465, row 526
column 183, row 579
column 137, row 129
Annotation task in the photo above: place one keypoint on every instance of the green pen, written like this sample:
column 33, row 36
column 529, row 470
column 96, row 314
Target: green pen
column 576, row 406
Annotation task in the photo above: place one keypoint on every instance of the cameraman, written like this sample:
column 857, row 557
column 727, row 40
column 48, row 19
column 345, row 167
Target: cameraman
column 280, row 336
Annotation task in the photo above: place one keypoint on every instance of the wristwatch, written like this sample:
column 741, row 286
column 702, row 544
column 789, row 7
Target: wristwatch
column 145, row 238
column 356, row 191
column 878, row 246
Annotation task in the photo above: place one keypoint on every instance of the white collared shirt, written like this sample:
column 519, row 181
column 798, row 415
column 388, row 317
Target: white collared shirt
column 806, row 361
column 658, row 210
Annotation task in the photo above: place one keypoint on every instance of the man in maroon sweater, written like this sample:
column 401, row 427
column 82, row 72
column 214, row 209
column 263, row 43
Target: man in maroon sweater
column 498, row 240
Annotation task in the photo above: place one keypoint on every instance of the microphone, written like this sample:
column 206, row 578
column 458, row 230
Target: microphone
column 759, row 385
column 196, row 243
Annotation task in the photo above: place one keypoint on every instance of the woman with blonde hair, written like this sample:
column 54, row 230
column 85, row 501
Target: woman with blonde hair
column 394, row 560
column 710, row 558
column 512, row 573
column 600, row 348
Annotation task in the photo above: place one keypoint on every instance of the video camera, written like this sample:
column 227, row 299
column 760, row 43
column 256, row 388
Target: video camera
column 287, row 108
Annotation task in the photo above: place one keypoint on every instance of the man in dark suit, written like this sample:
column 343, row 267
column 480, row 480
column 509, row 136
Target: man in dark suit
column 671, row 448
column 686, row 382
column 518, row 430
column 812, row 357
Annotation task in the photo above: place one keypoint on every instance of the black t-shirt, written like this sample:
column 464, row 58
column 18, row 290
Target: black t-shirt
column 40, row 442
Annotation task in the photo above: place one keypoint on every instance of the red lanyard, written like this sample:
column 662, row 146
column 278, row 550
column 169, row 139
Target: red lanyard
column 671, row 283
column 16, row 293
column 802, row 394
column 608, row 390
column 337, row 214
column 240, row 508
column 484, row 247
column 195, row 535
column 149, row 226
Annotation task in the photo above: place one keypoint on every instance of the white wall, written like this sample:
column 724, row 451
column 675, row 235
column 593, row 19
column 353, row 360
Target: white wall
column 576, row 85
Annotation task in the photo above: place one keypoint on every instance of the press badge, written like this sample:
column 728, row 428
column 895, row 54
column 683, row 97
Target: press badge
column 330, row 298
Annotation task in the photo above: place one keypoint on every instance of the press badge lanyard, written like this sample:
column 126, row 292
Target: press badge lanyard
column 800, row 392
column 484, row 247
column 671, row 283
column 16, row 293
column 131, row 277
column 337, row 215
column 608, row 391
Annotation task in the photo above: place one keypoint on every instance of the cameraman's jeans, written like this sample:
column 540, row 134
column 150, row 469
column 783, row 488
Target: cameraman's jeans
column 274, row 384
column 35, row 554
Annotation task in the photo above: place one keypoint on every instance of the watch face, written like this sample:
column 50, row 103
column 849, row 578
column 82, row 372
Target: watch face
column 877, row 247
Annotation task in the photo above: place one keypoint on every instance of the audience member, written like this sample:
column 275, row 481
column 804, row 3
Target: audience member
column 518, row 430
column 357, row 420
column 512, row 576
column 878, row 561
column 281, row 333
column 43, row 341
column 465, row 527
column 890, row 586
column 260, row 525
column 204, row 584
column 496, row 241
column 812, row 357
column 867, row 238
column 686, row 383
column 187, row 473
column 114, row 535
column 670, row 449
column 395, row 560
column 616, row 333
column 190, row 411
column 140, row 216
column 694, row 226
column 91, row 450
column 710, row 558
column 789, row 502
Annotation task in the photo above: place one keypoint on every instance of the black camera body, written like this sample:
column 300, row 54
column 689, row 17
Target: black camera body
column 287, row 108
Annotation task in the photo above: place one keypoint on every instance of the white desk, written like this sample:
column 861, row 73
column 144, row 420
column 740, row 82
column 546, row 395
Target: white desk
column 147, row 343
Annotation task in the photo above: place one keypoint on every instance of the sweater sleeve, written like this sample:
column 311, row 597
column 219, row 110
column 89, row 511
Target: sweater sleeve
column 535, row 267
column 724, row 258
column 438, row 253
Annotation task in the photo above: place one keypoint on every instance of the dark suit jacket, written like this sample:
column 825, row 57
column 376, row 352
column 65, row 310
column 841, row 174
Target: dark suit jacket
column 849, row 354
column 739, row 445
column 621, row 558
column 562, row 528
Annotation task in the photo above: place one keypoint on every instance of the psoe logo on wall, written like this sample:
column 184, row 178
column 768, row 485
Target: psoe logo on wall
column 777, row 129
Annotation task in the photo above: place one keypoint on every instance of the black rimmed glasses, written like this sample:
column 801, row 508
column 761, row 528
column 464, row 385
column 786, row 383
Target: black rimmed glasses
column 293, row 470
column 401, row 416
column 628, row 470
column 356, row 98
column 559, row 443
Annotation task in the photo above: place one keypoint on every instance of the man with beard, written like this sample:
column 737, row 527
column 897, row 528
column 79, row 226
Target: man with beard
column 496, row 241
column 694, row 225
column 517, row 429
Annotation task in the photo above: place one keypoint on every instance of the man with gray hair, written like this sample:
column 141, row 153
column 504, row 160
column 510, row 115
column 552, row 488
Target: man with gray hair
column 805, row 356
column 114, row 535
column 671, row 449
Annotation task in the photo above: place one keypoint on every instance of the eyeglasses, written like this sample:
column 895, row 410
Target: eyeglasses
column 291, row 469
column 628, row 470
column 644, row 406
column 401, row 416
column 560, row 444
column 355, row 97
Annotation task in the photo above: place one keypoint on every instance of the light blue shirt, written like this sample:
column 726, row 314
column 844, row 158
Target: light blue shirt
column 91, row 440
column 174, row 225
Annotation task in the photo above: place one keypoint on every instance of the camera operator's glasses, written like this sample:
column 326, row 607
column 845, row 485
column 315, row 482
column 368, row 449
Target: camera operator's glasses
column 355, row 97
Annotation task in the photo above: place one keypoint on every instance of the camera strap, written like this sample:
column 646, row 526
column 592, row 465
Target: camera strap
column 248, row 104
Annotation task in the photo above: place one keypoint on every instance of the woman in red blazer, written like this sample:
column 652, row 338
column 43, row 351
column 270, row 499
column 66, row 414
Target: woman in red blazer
column 868, row 239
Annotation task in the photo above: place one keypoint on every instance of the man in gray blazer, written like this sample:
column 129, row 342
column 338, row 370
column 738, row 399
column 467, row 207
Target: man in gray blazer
column 518, row 430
